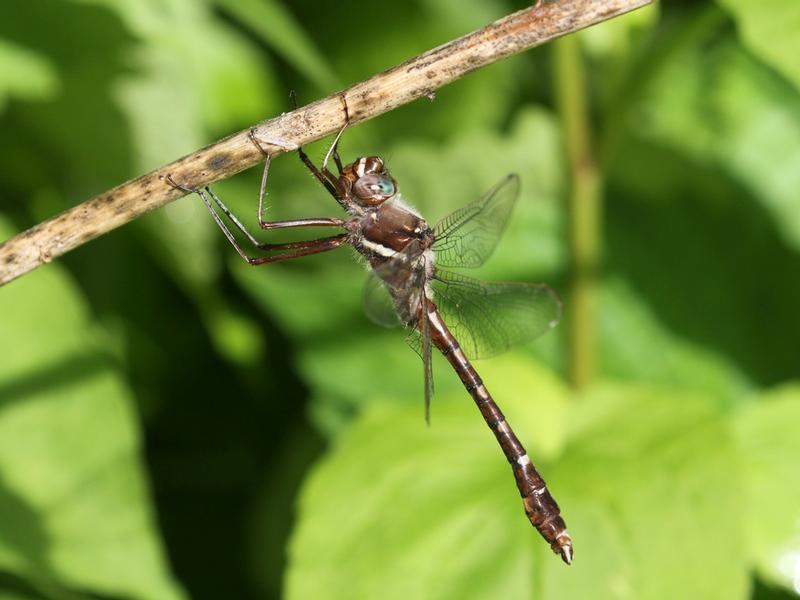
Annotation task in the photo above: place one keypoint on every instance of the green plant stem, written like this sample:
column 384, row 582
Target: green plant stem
column 584, row 206
column 658, row 54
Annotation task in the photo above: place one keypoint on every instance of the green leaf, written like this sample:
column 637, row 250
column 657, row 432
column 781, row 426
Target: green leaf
column 310, row 300
column 74, row 500
column 637, row 345
column 76, row 134
column 195, row 64
column 420, row 494
column 646, row 482
column 766, row 432
column 25, row 74
column 210, row 79
column 663, row 466
column 699, row 254
column 274, row 24
column 615, row 40
column 722, row 107
column 769, row 28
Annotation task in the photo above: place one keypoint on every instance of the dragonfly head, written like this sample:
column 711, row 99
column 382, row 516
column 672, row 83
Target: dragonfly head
column 370, row 182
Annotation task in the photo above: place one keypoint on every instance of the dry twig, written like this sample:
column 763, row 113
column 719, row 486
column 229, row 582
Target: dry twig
column 415, row 78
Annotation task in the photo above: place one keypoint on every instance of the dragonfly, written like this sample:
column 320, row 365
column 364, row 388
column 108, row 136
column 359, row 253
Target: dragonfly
column 408, row 285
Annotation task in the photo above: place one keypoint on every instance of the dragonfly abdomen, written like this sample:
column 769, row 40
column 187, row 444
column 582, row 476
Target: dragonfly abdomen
column 540, row 507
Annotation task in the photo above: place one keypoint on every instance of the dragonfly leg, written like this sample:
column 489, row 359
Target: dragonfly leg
column 316, row 222
column 334, row 149
column 263, row 223
column 298, row 249
column 328, row 181
column 324, row 175
column 302, row 249
column 337, row 160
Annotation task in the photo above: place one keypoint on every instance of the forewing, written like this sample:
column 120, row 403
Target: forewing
column 467, row 237
column 489, row 318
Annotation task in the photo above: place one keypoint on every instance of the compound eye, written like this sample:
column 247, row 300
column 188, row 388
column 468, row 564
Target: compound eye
column 384, row 187
column 374, row 187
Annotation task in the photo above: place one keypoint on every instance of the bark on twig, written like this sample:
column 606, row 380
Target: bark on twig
column 415, row 78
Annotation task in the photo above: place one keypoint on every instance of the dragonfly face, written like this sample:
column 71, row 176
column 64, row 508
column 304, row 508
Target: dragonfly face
column 368, row 181
column 383, row 224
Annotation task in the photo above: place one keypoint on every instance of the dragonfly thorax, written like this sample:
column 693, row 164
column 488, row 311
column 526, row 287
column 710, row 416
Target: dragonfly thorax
column 390, row 228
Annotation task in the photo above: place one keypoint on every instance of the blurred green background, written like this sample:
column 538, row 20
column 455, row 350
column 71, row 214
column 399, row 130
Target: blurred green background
column 175, row 424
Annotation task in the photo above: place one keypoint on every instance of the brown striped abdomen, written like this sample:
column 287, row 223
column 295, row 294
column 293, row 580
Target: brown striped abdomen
column 540, row 507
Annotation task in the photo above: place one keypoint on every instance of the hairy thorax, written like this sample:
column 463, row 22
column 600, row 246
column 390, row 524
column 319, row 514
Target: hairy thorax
column 389, row 229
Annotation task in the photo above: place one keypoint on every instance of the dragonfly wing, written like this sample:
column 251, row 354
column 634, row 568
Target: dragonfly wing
column 416, row 341
column 427, row 361
column 467, row 237
column 378, row 302
column 489, row 318
column 388, row 281
column 395, row 295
